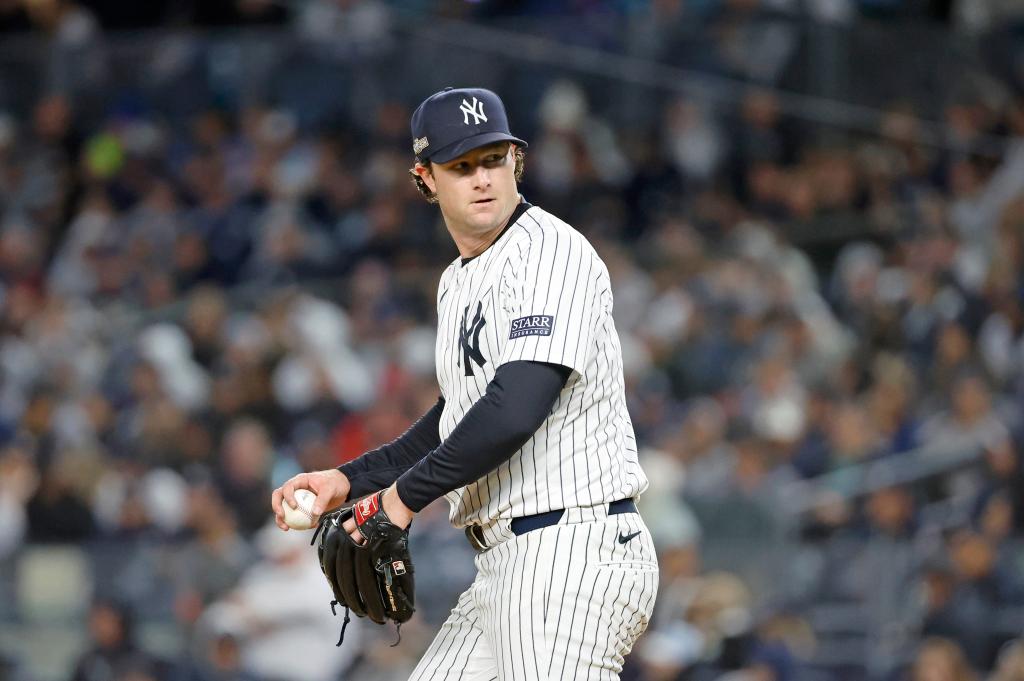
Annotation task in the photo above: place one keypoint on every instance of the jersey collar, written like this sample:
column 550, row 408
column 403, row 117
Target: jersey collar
column 521, row 208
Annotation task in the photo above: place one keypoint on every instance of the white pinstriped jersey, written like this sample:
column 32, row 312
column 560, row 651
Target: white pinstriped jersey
column 539, row 292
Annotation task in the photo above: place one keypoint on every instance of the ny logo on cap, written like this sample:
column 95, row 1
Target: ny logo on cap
column 476, row 110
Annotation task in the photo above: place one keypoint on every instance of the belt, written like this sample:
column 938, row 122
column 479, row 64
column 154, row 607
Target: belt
column 529, row 523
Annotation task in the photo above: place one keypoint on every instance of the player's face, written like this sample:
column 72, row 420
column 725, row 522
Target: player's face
column 476, row 191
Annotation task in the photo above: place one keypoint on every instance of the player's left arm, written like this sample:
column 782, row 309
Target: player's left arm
column 515, row 404
column 380, row 467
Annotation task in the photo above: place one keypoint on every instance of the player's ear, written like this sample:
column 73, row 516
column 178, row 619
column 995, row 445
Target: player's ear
column 427, row 176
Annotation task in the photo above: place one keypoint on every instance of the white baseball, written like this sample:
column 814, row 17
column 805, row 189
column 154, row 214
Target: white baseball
column 301, row 517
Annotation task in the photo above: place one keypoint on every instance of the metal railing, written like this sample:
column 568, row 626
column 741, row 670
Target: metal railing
column 862, row 479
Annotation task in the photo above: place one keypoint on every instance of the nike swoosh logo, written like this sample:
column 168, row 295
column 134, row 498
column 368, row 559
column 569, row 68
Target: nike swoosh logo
column 626, row 538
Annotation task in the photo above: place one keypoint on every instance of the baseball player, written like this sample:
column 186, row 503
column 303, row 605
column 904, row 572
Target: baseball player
column 530, row 440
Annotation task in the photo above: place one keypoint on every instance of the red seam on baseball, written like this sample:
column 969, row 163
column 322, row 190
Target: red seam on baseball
column 297, row 507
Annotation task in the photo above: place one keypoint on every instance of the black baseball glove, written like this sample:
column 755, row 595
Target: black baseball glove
column 374, row 579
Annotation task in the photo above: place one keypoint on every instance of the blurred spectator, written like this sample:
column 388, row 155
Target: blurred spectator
column 220, row 660
column 875, row 564
column 280, row 615
column 346, row 29
column 705, row 453
column 1010, row 664
column 890, row 403
column 941, row 660
column 244, row 475
column 114, row 654
column 204, row 569
column 968, row 601
column 57, row 512
column 18, row 482
column 971, row 421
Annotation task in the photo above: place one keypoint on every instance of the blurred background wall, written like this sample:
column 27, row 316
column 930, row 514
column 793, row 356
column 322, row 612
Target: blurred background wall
column 215, row 273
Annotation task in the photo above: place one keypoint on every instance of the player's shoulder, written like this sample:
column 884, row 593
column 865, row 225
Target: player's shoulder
column 446, row 276
column 537, row 226
column 535, row 220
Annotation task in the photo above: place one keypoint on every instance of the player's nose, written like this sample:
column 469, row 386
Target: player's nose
column 482, row 176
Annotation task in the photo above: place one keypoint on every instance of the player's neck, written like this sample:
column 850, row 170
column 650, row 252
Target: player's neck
column 472, row 244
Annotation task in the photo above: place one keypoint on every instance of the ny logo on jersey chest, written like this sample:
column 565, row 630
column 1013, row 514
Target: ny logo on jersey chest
column 469, row 339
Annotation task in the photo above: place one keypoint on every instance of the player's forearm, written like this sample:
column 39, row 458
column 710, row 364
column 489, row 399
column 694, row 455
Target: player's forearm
column 517, row 401
column 380, row 467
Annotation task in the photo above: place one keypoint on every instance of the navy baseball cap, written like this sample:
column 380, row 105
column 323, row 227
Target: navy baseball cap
column 453, row 121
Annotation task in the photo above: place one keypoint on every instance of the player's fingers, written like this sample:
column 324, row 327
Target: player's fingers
column 324, row 494
column 288, row 488
column 350, row 527
column 275, row 504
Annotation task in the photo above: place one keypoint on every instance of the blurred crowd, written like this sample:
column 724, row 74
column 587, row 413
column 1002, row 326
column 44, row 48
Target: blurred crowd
column 194, row 308
column 21, row 14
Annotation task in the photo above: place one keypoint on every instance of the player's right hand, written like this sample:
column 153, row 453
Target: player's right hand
column 331, row 488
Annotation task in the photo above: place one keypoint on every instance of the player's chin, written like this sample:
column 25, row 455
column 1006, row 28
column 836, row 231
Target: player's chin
column 483, row 215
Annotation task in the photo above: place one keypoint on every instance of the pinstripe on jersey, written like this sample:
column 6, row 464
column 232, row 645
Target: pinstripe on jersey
column 539, row 293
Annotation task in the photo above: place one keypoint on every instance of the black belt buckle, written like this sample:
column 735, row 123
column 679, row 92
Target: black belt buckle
column 475, row 535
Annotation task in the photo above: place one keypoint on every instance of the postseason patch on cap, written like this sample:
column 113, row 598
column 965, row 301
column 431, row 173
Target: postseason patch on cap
column 534, row 325
column 419, row 144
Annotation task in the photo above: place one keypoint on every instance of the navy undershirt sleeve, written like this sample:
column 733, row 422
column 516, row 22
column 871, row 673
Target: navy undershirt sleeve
column 517, row 401
column 379, row 468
